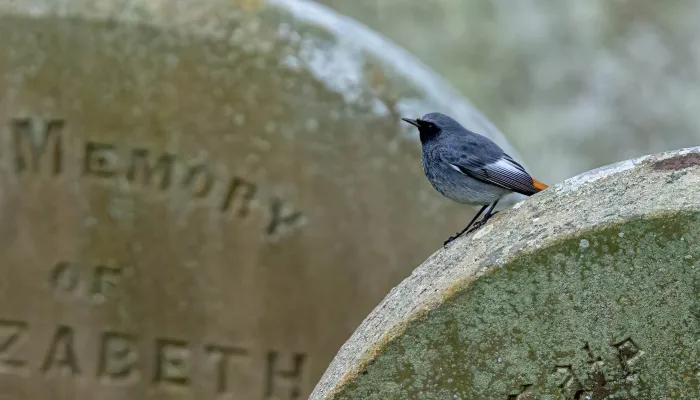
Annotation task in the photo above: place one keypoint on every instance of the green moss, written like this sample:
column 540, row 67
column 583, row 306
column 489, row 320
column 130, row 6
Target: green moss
column 612, row 313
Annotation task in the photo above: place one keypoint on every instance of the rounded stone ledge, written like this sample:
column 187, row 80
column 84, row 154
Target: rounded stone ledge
column 587, row 290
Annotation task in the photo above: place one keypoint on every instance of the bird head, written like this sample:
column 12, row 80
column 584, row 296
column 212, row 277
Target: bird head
column 431, row 125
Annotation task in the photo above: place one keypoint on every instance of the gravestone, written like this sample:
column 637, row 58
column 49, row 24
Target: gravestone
column 588, row 290
column 202, row 199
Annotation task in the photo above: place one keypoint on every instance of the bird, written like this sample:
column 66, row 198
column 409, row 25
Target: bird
column 469, row 168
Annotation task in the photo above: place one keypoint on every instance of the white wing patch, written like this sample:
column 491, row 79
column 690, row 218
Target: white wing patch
column 513, row 162
column 507, row 167
column 456, row 168
column 504, row 172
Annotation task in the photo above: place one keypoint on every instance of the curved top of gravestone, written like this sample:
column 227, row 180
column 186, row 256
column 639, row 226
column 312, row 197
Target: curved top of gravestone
column 335, row 49
column 645, row 188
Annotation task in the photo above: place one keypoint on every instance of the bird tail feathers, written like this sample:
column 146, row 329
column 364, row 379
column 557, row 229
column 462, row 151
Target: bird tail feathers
column 538, row 185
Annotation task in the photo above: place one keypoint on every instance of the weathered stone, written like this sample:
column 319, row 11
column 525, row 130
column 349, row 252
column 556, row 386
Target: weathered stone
column 202, row 198
column 588, row 290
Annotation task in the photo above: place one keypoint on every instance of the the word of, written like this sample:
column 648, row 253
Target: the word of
column 39, row 145
column 119, row 361
column 99, row 281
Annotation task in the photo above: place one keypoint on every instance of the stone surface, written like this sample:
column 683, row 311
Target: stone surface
column 202, row 199
column 588, row 290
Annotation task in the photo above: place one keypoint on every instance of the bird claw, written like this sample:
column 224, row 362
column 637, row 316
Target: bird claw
column 481, row 223
column 452, row 238
column 474, row 227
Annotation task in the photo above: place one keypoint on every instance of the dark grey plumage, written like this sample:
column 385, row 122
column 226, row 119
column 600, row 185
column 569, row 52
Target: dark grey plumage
column 467, row 167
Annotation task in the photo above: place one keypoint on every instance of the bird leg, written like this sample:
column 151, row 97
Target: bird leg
column 490, row 213
column 467, row 227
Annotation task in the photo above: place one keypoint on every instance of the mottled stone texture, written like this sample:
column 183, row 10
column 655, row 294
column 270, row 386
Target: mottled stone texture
column 202, row 199
column 588, row 290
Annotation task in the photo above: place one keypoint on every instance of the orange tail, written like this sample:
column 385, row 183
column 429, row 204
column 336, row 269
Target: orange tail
column 538, row 185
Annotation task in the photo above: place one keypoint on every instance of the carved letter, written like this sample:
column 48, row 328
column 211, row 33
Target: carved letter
column 32, row 142
column 62, row 352
column 221, row 356
column 292, row 378
column 281, row 218
column 140, row 160
column 105, row 280
column 118, row 357
column 627, row 354
column 200, row 180
column 100, row 160
column 172, row 362
column 65, row 277
column 523, row 394
column 11, row 338
column 239, row 188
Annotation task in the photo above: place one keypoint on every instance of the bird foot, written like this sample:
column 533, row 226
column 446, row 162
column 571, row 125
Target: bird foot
column 472, row 229
column 448, row 241
column 481, row 223
column 476, row 226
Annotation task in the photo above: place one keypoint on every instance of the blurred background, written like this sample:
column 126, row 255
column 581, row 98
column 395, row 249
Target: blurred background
column 313, row 203
column 572, row 84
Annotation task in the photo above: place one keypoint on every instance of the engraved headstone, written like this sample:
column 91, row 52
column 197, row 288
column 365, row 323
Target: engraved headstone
column 202, row 199
column 589, row 290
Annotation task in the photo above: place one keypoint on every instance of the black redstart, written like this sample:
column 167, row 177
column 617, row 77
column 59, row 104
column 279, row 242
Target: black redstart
column 469, row 168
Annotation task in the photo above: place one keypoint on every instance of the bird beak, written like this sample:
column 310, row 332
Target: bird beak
column 412, row 122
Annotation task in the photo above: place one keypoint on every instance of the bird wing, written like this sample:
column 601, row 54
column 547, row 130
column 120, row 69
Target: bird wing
column 500, row 171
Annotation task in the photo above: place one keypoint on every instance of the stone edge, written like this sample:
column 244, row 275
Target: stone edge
column 448, row 271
